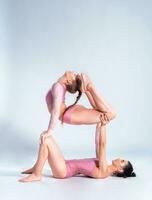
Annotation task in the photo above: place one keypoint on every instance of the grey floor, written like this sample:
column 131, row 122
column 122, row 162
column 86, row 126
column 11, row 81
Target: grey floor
column 138, row 188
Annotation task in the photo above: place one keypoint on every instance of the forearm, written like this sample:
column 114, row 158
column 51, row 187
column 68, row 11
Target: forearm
column 53, row 120
column 102, row 146
column 101, row 156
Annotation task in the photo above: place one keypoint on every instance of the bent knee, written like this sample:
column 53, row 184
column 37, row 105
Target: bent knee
column 46, row 141
column 105, row 118
column 113, row 115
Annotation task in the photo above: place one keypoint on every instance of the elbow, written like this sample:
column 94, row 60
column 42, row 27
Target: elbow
column 55, row 112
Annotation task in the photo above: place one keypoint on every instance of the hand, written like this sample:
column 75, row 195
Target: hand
column 44, row 135
column 105, row 118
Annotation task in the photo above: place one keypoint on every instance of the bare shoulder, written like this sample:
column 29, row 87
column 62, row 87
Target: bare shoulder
column 98, row 174
column 57, row 86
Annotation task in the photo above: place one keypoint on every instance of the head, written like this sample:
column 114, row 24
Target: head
column 70, row 77
column 73, row 85
column 123, row 168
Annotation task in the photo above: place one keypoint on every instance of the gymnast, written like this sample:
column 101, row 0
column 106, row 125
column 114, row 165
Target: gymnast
column 76, row 114
column 100, row 114
column 97, row 168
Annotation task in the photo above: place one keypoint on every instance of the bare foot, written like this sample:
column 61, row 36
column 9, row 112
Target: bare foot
column 86, row 82
column 28, row 171
column 30, row 178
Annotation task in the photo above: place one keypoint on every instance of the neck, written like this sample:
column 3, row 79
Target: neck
column 111, row 169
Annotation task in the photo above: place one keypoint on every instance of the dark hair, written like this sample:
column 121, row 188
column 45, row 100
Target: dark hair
column 127, row 171
column 73, row 88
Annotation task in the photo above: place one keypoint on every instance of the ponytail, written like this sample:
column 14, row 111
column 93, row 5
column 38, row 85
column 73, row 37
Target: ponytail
column 77, row 99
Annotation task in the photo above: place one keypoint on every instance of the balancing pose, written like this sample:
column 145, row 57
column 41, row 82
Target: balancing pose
column 74, row 114
column 91, row 167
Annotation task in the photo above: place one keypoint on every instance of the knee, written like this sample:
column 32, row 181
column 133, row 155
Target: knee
column 110, row 116
column 105, row 118
column 113, row 115
column 46, row 141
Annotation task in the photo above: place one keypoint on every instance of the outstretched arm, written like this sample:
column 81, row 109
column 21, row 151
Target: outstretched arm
column 102, row 170
column 102, row 148
column 57, row 93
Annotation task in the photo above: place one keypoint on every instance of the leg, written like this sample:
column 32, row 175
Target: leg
column 100, row 102
column 81, row 115
column 91, row 100
column 56, row 159
column 49, row 150
column 28, row 171
column 96, row 100
column 43, row 152
column 37, row 169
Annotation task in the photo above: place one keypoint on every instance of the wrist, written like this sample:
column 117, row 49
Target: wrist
column 49, row 131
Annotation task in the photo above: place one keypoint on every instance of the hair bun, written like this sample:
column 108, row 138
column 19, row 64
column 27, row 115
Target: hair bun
column 133, row 174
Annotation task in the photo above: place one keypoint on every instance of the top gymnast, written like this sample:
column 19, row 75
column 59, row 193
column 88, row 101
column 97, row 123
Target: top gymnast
column 76, row 114
column 100, row 114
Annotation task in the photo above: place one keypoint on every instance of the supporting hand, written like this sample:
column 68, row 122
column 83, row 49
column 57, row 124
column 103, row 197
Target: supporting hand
column 44, row 135
column 104, row 118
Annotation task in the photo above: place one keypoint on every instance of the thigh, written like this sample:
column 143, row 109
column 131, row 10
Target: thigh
column 56, row 159
column 82, row 115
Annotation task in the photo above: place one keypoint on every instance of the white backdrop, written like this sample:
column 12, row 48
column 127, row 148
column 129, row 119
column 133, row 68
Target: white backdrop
column 109, row 40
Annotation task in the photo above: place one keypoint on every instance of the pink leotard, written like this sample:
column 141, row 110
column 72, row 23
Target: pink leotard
column 56, row 96
column 81, row 166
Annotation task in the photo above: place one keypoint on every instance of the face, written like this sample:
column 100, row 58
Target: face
column 71, row 76
column 120, row 163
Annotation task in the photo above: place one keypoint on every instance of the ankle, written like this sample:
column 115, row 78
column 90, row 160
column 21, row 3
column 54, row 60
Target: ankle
column 36, row 173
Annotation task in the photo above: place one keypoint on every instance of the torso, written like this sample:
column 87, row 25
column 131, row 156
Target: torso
column 87, row 167
column 62, row 109
column 81, row 166
column 49, row 103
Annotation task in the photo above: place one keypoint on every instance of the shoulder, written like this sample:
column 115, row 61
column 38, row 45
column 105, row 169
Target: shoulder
column 56, row 86
column 101, row 173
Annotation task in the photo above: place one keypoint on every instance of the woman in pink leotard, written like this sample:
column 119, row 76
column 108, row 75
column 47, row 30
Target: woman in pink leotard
column 74, row 114
column 90, row 167
column 100, row 114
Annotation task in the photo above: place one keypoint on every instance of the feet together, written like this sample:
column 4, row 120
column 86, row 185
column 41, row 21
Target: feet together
column 86, row 82
column 31, row 177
